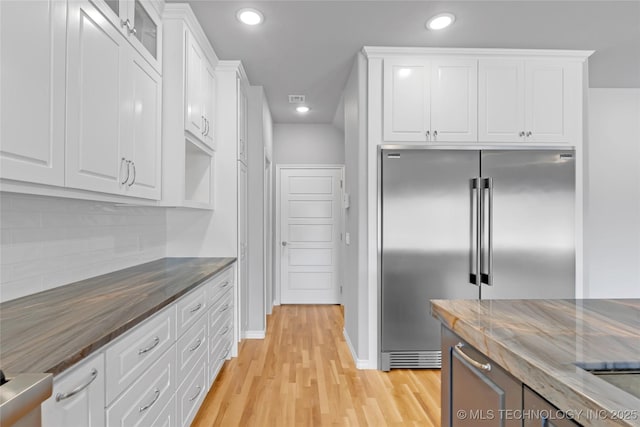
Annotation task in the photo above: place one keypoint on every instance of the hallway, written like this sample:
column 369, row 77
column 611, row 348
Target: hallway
column 302, row 374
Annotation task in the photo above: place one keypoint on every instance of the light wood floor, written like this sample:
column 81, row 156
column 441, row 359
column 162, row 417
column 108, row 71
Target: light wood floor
column 302, row 374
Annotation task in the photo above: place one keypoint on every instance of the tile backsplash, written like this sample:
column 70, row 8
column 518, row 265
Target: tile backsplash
column 47, row 242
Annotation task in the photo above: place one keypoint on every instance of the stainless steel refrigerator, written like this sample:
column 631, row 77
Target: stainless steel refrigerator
column 458, row 223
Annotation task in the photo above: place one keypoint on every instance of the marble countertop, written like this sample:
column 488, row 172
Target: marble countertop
column 52, row 330
column 539, row 342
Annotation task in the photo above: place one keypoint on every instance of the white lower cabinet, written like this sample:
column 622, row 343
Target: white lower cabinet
column 191, row 392
column 78, row 396
column 158, row 373
column 146, row 398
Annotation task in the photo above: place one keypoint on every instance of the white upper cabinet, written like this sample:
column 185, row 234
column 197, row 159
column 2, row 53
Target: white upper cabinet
column 528, row 100
column 139, row 22
column 454, row 100
column 32, row 95
column 113, row 110
column 200, row 94
column 430, row 100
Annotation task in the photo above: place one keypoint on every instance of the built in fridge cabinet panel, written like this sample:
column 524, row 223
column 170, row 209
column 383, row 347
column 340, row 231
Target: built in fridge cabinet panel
column 406, row 100
column 78, row 397
column 32, row 82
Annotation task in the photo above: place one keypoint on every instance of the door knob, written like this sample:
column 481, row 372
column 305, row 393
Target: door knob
column 284, row 243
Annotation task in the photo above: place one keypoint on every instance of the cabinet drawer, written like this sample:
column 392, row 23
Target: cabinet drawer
column 191, row 393
column 191, row 347
column 128, row 357
column 167, row 417
column 550, row 416
column 220, row 284
column 190, row 308
column 218, row 313
column 144, row 401
column 218, row 353
column 78, row 396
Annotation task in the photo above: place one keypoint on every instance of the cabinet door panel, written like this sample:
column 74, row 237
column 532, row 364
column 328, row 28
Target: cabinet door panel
column 194, row 122
column 454, row 95
column 32, row 52
column 96, row 100
column 406, row 100
column 146, row 116
column 550, row 416
column 548, row 94
column 209, row 90
column 85, row 408
column 501, row 100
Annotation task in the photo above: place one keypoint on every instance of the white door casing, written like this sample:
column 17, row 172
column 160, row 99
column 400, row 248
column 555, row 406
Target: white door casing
column 309, row 217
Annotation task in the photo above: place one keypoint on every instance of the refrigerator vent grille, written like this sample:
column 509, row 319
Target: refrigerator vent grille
column 415, row 359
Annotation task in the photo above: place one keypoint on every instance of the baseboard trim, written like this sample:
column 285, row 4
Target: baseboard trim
column 360, row 363
column 253, row 335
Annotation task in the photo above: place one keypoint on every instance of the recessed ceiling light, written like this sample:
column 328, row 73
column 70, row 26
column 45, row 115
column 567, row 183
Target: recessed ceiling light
column 302, row 109
column 440, row 21
column 250, row 16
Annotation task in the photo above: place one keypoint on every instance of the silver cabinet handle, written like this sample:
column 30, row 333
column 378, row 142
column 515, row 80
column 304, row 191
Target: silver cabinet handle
column 63, row 396
column 133, row 31
column 133, row 180
column 224, row 308
column 284, row 243
column 521, row 134
column 474, row 230
column 195, row 396
column 125, row 23
column 124, row 161
column 150, row 404
column 483, row 366
column 427, row 133
column 204, row 125
column 196, row 308
column 156, row 341
column 529, row 133
column 225, row 330
column 195, row 347
column 435, row 133
column 225, row 284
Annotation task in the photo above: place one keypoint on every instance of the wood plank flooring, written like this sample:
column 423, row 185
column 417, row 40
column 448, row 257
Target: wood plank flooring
column 302, row 374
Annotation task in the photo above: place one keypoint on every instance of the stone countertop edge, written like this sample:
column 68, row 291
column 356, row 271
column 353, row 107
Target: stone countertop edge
column 562, row 383
column 48, row 331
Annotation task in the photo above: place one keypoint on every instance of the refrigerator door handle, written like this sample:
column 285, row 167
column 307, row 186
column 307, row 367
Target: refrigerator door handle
column 475, row 234
column 486, row 258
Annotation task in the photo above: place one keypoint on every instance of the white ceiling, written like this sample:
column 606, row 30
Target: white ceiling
column 308, row 47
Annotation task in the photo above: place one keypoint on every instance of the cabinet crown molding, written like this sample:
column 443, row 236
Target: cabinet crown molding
column 233, row 66
column 381, row 52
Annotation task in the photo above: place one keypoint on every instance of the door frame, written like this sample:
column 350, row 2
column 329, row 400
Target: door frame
column 277, row 259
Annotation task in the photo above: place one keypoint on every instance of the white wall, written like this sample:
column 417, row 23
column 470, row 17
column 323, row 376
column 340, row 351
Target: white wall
column 48, row 242
column 307, row 144
column 612, row 205
column 356, row 295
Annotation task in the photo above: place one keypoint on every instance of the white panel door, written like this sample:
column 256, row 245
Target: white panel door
column 194, row 116
column 243, row 266
column 454, row 100
column 83, row 408
column 32, row 61
column 208, row 105
column 501, row 100
column 548, row 99
column 96, row 101
column 145, row 114
column 406, row 100
column 310, row 220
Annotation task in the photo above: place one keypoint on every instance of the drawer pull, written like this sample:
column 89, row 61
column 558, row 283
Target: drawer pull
column 196, row 308
column 226, row 353
column 195, row 396
column 225, row 330
column 63, row 396
column 150, row 404
column 224, row 308
column 195, row 347
column 225, row 284
column 156, row 341
column 482, row 366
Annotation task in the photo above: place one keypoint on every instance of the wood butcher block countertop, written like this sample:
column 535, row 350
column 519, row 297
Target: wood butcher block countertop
column 52, row 330
column 540, row 341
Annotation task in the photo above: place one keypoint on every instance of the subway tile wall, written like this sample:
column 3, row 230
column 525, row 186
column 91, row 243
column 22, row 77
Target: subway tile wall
column 47, row 242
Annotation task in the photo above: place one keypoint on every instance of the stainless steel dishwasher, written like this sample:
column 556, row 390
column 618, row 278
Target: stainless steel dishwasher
column 20, row 399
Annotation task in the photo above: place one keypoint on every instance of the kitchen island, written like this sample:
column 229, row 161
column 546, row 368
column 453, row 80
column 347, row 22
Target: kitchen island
column 509, row 357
